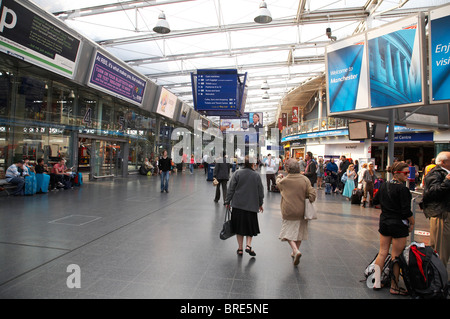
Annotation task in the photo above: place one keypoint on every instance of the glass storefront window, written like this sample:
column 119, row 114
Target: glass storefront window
column 5, row 92
column 86, row 114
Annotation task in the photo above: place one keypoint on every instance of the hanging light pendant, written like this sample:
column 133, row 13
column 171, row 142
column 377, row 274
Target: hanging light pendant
column 264, row 15
column 266, row 96
column 265, row 85
column 162, row 26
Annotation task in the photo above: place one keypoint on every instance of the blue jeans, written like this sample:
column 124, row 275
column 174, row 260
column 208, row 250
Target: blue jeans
column 165, row 180
column 20, row 184
column 191, row 168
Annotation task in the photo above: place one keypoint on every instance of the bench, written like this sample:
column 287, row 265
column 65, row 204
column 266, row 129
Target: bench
column 6, row 185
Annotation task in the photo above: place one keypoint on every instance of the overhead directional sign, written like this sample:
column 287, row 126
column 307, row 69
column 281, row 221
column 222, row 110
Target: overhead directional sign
column 218, row 92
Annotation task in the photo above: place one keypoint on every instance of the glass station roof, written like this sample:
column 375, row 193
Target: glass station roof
column 207, row 34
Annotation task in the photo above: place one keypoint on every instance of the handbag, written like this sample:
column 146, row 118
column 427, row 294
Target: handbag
column 310, row 210
column 227, row 230
column 215, row 182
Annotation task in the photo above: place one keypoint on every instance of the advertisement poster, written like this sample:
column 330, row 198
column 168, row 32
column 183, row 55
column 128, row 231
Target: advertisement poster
column 110, row 77
column 184, row 113
column 395, row 64
column 295, row 114
column 440, row 54
column 28, row 36
column 347, row 75
column 167, row 103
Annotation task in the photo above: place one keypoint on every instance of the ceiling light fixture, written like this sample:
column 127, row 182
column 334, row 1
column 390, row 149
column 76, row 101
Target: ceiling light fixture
column 162, row 26
column 266, row 96
column 265, row 85
column 263, row 14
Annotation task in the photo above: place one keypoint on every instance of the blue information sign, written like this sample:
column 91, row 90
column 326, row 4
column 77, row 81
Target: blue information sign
column 218, row 92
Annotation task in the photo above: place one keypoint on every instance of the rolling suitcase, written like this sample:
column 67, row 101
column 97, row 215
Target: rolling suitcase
column 30, row 184
column 42, row 182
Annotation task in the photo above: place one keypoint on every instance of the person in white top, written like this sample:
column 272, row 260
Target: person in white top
column 271, row 169
column 361, row 174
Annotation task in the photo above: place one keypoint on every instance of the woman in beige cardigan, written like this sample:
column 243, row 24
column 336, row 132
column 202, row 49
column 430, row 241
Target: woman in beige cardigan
column 294, row 189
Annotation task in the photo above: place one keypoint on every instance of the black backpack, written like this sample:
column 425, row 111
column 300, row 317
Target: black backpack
column 423, row 272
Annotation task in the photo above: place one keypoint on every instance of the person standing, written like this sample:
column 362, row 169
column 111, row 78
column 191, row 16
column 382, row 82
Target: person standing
column 295, row 188
column 311, row 168
column 369, row 178
column 222, row 174
column 436, row 205
column 14, row 177
column 332, row 171
column 191, row 164
column 396, row 222
column 165, row 167
column 271, row 169
column 350, row 183
column 245, row 196
column 320, row 173
column 343, row 166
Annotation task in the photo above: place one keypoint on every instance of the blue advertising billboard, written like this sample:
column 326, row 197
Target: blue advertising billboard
column 347, row 75
column 439, row 48
column 396, row 63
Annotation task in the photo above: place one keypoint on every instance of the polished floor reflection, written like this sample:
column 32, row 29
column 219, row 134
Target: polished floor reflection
column 132, row 241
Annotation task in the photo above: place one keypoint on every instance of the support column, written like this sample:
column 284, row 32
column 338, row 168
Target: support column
column 388, row 63
column 391, row 136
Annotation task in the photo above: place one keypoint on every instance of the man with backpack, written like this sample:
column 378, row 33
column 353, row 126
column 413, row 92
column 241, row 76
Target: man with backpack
column 436, row 205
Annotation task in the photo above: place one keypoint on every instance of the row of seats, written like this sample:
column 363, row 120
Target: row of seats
column 40, row 183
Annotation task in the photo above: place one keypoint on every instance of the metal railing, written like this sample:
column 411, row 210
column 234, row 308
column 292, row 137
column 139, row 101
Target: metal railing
column 315, row 125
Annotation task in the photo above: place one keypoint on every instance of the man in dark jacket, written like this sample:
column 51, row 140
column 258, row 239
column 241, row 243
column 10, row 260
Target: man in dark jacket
column 221, row 174
column 343, row 166
column 436, row 205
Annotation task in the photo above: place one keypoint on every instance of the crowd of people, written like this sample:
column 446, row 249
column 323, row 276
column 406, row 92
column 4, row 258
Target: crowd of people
column 245, row 195
column 59, row 176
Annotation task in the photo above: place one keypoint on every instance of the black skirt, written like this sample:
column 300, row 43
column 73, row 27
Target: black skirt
column 244, row 223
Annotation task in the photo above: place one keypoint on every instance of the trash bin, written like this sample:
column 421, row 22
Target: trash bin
column 210, row 175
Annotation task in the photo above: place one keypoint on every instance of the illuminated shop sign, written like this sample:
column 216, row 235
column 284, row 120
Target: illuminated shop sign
column 28, row 36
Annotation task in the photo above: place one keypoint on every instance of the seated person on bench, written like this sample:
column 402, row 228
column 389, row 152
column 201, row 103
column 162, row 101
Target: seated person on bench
column 59, row 174
column 15, row 177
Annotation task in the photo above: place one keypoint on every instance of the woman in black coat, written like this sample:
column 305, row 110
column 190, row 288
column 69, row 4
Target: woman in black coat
column 396, row 222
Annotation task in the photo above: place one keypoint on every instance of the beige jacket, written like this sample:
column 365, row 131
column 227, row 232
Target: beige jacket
column 294, row 189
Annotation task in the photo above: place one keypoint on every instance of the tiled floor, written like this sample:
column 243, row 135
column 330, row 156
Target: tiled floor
column 131, row 241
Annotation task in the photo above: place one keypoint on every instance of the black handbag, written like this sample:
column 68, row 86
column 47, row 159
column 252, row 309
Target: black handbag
column 227, row 230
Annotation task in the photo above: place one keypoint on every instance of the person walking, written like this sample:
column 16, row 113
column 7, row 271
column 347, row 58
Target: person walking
column 295, row 188
column 165, row 167
column 271, row 169
column 350, row 183
column 246, row 196
column 396, row 222
column 222, row 174
column 436, row 205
